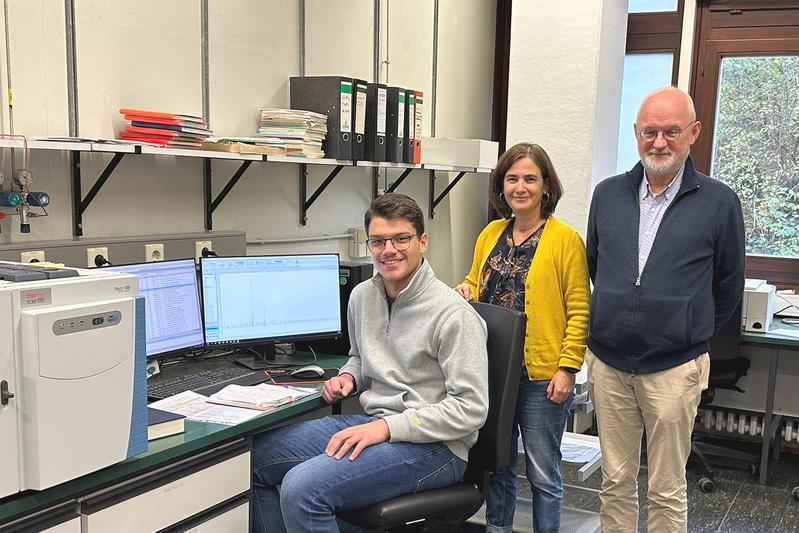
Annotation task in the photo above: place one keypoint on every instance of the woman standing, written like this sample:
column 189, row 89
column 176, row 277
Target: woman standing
column 535, row 263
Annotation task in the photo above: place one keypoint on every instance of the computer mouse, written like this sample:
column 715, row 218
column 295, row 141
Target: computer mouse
column 310, row 371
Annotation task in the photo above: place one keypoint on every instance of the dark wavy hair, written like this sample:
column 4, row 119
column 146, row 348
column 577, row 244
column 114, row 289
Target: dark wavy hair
column 539, row 156
column 392, row 206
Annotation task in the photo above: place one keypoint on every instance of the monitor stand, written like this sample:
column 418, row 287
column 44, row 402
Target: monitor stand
column 265, row 356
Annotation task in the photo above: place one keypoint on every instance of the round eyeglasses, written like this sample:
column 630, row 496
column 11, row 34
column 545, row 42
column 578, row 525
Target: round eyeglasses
column 400, row 242
column 649, row 135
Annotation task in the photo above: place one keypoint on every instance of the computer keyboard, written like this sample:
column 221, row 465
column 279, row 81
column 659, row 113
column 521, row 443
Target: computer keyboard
column 204, row 382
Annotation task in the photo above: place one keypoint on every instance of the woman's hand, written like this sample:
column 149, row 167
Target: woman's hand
column 466, row 291
column 560, row 386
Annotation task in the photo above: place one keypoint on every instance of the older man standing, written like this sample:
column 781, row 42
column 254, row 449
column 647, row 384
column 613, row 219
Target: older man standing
column 665, row 251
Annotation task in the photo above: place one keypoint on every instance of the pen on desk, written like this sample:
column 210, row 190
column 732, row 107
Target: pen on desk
column 295, row 389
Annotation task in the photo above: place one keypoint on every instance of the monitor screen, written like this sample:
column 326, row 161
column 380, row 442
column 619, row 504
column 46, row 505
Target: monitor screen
column 267, row 299
column 172, row 306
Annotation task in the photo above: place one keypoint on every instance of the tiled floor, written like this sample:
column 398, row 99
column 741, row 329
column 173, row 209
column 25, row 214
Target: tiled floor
column 738, row 504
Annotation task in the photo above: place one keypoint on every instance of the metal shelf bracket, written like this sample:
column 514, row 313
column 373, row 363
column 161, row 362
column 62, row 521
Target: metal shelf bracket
column 305, row 202
column 435, row 200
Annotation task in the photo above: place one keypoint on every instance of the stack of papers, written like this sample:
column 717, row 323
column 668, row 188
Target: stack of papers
column 246, row 145
column 164, row 129
column 300, row 132
column 263, row 397
column 194, row 406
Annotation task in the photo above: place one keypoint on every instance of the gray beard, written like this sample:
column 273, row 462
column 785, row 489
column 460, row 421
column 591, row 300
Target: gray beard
column 669, row 168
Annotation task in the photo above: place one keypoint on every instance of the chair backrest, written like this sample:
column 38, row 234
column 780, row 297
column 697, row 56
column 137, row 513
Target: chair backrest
column 506, row 329
column 727, row 342
column 726, row 364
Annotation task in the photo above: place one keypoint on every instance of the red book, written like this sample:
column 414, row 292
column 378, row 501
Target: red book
column 160, row 141
column 167, row 121
column 169, row 134
column 149, row 115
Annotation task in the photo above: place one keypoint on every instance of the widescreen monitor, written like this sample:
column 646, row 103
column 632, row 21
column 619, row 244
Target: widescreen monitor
column 172, row 306
column 257, row 301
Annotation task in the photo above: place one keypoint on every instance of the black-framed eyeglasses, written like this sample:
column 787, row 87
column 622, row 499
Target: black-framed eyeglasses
column 649, row 135
column 399, row 242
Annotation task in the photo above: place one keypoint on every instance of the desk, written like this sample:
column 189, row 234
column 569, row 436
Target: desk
column 770, row 423
column 198, row 438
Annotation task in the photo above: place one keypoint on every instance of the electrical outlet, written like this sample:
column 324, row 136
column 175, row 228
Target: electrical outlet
column 92, row 253
column 357, row 246
column 198, row 249
column 34, row 256
column 153, row 252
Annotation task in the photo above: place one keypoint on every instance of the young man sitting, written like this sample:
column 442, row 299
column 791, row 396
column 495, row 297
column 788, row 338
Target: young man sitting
column 418, row 357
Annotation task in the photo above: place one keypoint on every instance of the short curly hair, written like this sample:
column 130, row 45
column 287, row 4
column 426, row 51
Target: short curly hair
column 538, row 156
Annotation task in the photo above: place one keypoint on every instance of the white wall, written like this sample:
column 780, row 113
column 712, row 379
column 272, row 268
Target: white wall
column 564, row 89
column 147, row 54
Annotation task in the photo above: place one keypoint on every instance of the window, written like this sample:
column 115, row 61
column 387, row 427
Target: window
column 643, row 73
column 744, row 85
column 755, row 141
column 654, row 29
column 651, row 6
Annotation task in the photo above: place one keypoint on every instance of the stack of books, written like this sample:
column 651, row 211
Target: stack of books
column 164, row 129
column 300, row 132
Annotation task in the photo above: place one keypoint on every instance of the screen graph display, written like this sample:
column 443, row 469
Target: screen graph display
column 270, row 298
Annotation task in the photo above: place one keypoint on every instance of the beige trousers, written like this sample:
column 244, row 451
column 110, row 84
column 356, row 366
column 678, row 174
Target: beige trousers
column 664, row 404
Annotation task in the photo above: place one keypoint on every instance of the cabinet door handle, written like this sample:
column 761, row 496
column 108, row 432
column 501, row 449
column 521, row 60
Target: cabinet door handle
column 5, row 394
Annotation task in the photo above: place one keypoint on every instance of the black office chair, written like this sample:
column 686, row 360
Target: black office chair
column 447, row 508
column 727, row 367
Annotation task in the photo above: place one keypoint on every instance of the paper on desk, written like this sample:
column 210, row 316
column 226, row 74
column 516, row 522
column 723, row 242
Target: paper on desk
column 263, row 397
column 786, row 331
column 195, row 407
column 577, row 450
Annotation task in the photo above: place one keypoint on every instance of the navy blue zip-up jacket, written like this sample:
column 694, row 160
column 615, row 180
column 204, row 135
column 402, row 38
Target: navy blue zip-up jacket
column 690, row 285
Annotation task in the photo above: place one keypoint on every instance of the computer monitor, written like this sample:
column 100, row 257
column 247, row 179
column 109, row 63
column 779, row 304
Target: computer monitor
column 257, row 301
column 172, row 305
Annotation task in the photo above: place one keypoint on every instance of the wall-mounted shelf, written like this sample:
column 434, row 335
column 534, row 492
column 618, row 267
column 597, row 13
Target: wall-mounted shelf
column 81, row 203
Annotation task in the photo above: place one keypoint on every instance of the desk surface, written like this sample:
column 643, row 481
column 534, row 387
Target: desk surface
column 772, row 338
column 197, row 436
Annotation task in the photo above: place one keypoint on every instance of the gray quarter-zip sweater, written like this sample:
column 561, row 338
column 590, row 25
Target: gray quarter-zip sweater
column 422, row 365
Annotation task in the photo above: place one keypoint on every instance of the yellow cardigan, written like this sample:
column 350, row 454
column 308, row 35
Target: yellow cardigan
column 557, row 296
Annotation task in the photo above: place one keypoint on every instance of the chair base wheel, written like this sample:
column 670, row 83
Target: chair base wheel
column 707, row 486
column 795, row 492
column 753, row 469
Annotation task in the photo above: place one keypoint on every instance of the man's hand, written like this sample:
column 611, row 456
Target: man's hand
column 360, row 436
column 466, row 291
column 338, row 387
column 560, row 386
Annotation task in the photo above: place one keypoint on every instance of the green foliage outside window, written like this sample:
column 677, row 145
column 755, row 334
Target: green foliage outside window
column 756, row 148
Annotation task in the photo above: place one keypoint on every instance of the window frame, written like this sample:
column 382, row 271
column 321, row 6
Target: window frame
column 657, row 32
column 740, row 28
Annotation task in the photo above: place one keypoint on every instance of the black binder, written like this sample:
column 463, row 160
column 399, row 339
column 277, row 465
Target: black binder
column 375, row 122
column 410, row 121
column 331, row 96
column 395, row 124
column 358, row 119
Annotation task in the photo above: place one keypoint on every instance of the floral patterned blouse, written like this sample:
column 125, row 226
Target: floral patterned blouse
column 505, row 270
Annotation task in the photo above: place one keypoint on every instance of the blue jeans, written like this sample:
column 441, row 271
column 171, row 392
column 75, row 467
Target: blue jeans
column 542, row 423
column 314, row 486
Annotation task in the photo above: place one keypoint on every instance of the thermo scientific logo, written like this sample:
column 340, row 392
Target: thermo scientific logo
column 36, row 297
